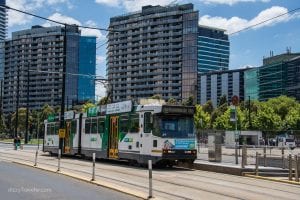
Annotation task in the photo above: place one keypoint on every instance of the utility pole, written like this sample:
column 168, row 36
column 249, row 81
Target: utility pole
column 27, row 106
column 17, row 103
column 1, row 98
column 62, row 105
column 67, row 103
column 250, row 124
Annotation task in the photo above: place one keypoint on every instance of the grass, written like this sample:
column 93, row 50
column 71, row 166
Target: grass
column 32, row 141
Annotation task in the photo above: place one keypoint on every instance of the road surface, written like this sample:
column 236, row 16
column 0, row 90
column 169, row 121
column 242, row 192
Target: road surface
column 18, row 182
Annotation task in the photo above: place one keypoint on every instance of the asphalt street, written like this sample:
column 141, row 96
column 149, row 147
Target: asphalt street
column 20, row 182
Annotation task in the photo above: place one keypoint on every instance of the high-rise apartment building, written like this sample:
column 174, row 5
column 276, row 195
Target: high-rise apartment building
column 3, row 24
column 213, row 49
column 153, row 51
column 87, row 66
column 215, row 84
column 41, row 51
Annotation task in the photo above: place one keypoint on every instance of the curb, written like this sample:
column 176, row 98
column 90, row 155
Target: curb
column 86, row 180
column 272, row 179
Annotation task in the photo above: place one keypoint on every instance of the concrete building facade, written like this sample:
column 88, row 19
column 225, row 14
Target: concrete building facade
column 215, row 84
column 41, row 51
column 153, row 51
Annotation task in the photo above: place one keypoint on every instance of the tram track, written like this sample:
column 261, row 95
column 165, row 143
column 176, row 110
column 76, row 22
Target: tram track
column 181, row 175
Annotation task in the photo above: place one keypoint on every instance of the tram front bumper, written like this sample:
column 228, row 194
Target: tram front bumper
column 179, row 154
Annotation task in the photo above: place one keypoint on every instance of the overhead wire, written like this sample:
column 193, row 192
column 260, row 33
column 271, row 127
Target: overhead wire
column 262, row 22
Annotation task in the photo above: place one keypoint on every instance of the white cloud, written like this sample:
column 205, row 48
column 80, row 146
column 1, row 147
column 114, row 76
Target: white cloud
column 69, row 20
column 100, row 91
column 231, row 2
column 92, row 32
column 113, row 3
column 134, row 5
column 234, row 24
column 61, row 18
column 17, row 18
column 100, row 60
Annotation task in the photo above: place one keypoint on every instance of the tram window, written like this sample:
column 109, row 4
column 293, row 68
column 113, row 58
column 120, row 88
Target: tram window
column 134, row 123
column 48, row 129
column 124, row 123
column 100, row 125
column 94, row 126
column 52, row 129
column 73, row 126
column 87, row 126
column 147, row 122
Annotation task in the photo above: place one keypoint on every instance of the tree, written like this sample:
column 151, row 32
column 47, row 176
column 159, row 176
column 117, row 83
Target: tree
column 266, row 118
column 218, row 112
column 189, row 101
column 282, row 105
column 157, row 96
column 172, row 101
column 293, row 118
column 201, row 118
column 223, row 122
column 104, row 100
column 208, row 107
column 21, row 119
column 86, row 106
column 223, row 100
column 45, row 112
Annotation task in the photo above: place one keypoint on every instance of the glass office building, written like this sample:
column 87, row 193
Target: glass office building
column 87, row 65
column 213, row 49
column 279, row 75
column 251, row 84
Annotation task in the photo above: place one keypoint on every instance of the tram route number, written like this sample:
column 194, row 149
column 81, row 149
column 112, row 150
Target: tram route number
column 62, row 133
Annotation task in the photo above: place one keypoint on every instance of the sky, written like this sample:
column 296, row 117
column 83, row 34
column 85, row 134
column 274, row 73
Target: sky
column 247, row 48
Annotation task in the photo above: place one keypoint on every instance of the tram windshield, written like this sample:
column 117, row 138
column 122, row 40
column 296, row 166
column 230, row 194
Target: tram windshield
column 173, row 127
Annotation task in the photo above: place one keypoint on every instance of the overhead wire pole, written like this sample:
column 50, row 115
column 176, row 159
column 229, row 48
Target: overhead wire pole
column 17, row 103
column 27, row 106
column 62, row 105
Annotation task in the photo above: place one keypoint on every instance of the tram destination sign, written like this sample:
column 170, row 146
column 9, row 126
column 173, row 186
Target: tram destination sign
column 178, row 110
column 120, row 107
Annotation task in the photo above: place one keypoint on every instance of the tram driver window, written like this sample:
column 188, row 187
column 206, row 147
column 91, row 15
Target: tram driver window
column 87, row 126
column 147, row 122
column 94, row 126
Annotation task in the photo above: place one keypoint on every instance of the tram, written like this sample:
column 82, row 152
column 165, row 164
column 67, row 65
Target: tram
column 137, row 133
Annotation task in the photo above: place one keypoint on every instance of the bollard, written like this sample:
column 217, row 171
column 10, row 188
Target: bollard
column 236, row 154
column 59, row 156
column 282, row 158
column 256, row 163
column 244, row 156
column 150, row 178
column 93, row 173
column 296, row 168
column 35, row 160
column 265, row 156
column 290, row 168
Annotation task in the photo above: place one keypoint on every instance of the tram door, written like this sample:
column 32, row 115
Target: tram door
column 113, row 137
column 67, row 137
